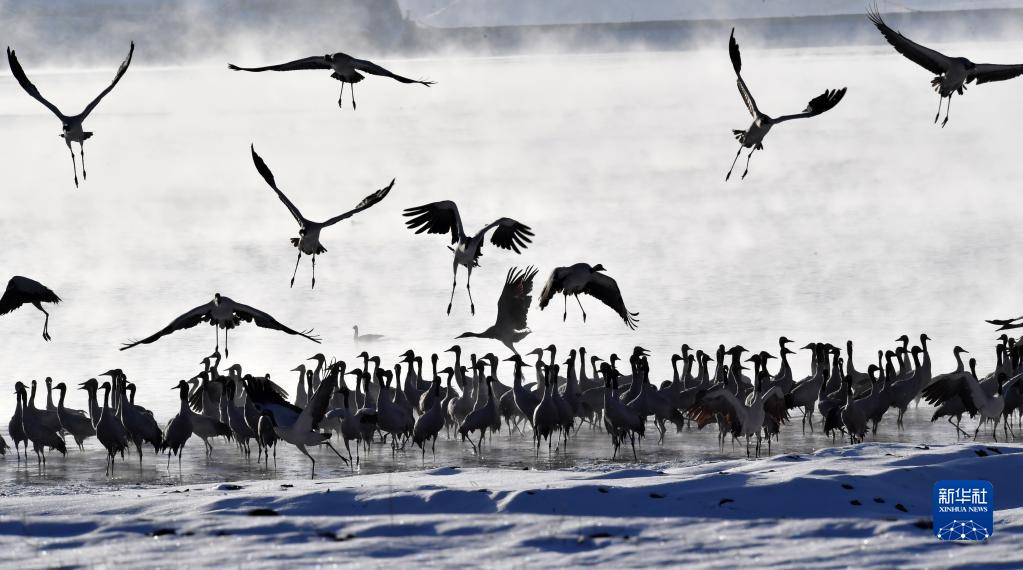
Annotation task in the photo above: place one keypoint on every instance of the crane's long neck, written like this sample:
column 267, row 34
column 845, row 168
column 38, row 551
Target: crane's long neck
column 582, row 366
column 60, row 399
column 959, row 362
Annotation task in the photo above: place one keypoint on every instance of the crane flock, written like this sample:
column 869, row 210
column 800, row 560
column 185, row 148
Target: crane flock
column 478, row 403
column 398, row 405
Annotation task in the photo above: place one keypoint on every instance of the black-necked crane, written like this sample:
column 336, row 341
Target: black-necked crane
column 443, row 217
column 591, row 280
column 480, row 419
column 741, row 418
column 16, row 429
column 109, row 430
column 139, row 422
column 345, row 69
column 71, row 125
column 225, row 313
column 753, row 137
column 853, row 414
column 179, row 429
column 305, row 429
column 240, row 429
column 1007, row 324
column 75, row 422
column 352, row 424
column 22, row 290
column 975, row 399
column 954, row 407
column 308, row 240
column 620, row 420
column 266, row 437
column 36, row 429
column 510, row 326
column 545, row 417
column 525, row 399
column 952, row 73
column 429, row 424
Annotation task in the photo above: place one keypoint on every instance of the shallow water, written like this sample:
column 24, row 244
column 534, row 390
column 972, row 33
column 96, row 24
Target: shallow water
column 80, row 471
column 865, row 223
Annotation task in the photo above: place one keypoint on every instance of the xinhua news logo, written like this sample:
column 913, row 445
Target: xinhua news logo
column 964, row 510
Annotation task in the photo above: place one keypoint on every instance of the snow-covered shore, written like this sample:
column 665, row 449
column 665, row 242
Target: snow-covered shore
column 866, row 505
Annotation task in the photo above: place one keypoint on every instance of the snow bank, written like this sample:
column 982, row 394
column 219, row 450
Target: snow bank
column 863, row 505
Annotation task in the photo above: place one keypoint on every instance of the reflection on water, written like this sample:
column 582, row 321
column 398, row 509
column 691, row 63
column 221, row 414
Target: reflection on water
column 85, row 470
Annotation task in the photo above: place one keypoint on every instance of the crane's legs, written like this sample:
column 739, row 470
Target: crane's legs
column 947, row 107
column 581, row 307
column 327, row 443
column 734, row 160
column 227, row 351
column 296, row 268
column 81, row 148
column 468, row 287
column 340, row 96
column 353, row 96
column 74, row 165
column 564, row 315
column 938, row 114
column 454, row 282
column 46, row 323
column 958, row 429
column 314, row 272
column 748, row 156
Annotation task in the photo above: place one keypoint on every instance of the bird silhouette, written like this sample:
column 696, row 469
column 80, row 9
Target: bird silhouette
column 345, row 69
column 21, row 290
column 308, row 240
column 753, row 137
column 71, row 125
column 952, row 73
column 588, row 279
column 512, row 309
column 443, row 217
column 225, row 313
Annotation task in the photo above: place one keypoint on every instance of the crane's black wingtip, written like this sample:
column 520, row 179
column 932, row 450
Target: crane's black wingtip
column 233, row 67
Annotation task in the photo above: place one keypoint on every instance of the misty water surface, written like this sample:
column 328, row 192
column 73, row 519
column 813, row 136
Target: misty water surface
column 865, row 223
